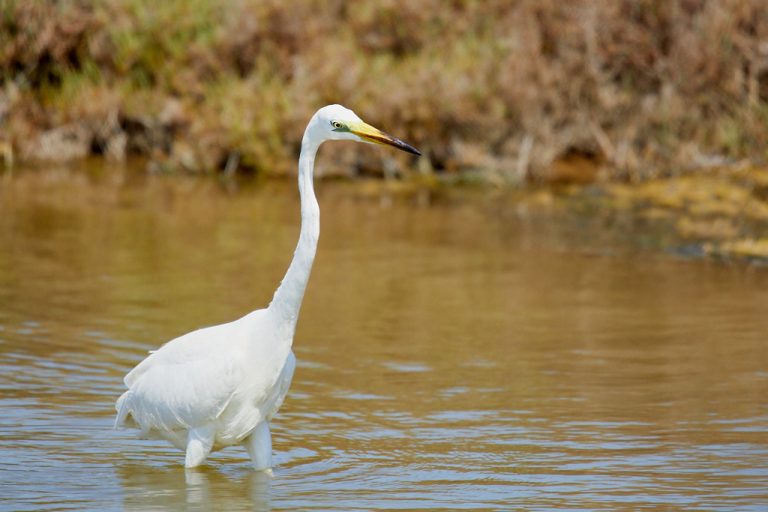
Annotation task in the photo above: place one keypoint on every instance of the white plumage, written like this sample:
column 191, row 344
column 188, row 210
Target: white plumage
column 221, row 385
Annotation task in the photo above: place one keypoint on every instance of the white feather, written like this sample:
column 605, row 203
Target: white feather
column 221, row 385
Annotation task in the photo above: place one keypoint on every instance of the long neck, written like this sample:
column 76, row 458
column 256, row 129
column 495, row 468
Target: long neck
column 286, row 302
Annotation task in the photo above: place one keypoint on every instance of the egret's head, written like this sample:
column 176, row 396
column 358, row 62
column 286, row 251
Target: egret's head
column 335, row 122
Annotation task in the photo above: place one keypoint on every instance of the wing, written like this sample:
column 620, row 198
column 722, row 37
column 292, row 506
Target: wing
column 189, row 381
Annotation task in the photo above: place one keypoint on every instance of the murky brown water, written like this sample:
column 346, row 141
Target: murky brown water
column 456, row 353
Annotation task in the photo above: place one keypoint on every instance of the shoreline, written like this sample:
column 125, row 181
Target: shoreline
column 720, row 215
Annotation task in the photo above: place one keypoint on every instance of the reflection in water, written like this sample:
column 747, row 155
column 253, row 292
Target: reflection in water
column 149, row 487
column 459, row 353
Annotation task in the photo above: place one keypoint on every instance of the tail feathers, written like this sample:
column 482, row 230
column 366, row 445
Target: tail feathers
column 122, row 409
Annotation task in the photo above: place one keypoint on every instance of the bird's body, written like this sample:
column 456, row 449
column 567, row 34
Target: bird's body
column 227, row 378
column 221, row 385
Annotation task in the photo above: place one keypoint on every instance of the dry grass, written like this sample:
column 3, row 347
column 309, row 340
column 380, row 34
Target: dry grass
column 638, row 87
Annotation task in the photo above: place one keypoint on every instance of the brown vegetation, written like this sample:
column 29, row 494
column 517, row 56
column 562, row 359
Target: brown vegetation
column 638, row 88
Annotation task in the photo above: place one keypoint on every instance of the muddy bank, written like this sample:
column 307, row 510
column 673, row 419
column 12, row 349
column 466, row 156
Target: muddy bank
column 498, row 89
column 657, row 109
column 720, row 214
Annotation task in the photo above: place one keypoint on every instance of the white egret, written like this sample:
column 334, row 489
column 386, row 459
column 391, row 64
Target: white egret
column 221, row 385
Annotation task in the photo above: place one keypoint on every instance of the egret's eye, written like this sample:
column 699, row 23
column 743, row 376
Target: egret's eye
column 336, row 125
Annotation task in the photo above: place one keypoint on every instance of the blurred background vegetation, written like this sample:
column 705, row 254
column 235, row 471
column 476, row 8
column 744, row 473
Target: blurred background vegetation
column 507, row 91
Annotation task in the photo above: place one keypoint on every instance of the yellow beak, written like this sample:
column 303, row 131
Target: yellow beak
column 370, row 134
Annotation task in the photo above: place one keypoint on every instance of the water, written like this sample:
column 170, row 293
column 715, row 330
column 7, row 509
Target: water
column 458, row 350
